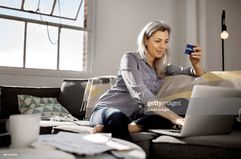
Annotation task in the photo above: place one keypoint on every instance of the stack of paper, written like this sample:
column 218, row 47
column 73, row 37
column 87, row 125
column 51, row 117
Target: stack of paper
column 81, row 144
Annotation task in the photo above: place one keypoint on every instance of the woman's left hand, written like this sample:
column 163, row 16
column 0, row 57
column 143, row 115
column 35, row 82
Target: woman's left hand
column 196, row 56
column 195, row 59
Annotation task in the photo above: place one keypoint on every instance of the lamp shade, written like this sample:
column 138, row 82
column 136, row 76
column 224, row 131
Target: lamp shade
column 224, row 33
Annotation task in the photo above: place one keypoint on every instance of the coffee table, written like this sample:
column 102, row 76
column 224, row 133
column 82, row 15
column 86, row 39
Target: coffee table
column 47, row 153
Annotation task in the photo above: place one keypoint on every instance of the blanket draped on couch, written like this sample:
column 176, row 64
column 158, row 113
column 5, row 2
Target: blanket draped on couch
column 180, row 86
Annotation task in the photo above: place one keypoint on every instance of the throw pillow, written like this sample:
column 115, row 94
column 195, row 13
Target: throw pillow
column 96, row 87
column 48, row 107
column 71, row 96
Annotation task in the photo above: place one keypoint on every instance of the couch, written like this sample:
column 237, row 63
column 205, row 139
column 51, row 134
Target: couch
column 70, row 95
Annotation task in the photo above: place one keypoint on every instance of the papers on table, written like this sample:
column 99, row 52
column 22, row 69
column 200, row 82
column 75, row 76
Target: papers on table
column 44, row 123
column 105, row 138
column 81, row 144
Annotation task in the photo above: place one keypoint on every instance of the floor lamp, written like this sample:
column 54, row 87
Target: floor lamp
column 224, row 35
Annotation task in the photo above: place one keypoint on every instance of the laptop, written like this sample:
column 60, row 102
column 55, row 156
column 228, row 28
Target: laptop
column 211, row 111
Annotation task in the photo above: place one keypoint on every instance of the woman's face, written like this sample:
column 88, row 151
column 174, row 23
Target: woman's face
column 157, row 44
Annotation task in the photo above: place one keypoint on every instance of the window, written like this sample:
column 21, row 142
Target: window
column 44, row 34
column 11, row 43
column 71, row 45
column 40, row 52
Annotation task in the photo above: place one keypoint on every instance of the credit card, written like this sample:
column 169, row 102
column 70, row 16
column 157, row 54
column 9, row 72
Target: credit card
column 189, row 49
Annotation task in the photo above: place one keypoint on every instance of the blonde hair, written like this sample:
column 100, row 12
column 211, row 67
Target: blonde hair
column 158, row 25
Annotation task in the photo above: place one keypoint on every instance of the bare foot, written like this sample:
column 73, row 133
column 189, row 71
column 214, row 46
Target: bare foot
column 97, row 129
column 134, row 128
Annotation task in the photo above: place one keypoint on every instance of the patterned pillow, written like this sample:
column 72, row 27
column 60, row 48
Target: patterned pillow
column 48, row 107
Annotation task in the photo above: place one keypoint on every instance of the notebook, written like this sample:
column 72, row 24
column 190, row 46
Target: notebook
column 211, row 111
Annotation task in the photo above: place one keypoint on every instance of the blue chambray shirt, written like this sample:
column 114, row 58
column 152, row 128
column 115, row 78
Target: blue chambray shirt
column 137, row 83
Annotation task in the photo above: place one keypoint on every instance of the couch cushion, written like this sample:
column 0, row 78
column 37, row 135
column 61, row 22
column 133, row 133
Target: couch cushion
column 188, row 151
column 213, row 146
column 143, row 139
column 71, row 96
column 232, row 140
column 47, row 107
column 9, row 101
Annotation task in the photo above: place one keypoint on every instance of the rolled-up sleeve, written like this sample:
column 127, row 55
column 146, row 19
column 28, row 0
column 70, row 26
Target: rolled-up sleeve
column 178, row 70
column 133, row 79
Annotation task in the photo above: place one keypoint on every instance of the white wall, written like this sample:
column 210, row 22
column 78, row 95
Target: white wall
column 192, row 21
column 118, row 23
column 232, row 45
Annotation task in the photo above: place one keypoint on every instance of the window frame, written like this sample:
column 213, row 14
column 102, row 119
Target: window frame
column 91, row 5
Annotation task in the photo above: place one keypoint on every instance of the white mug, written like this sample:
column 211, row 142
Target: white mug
column 24, row 129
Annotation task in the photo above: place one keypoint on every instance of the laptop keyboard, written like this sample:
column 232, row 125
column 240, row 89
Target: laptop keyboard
column 175, row 131
column 177, row 127
column 169, row 132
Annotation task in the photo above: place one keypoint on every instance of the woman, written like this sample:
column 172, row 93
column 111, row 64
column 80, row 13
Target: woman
column 123, row 109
